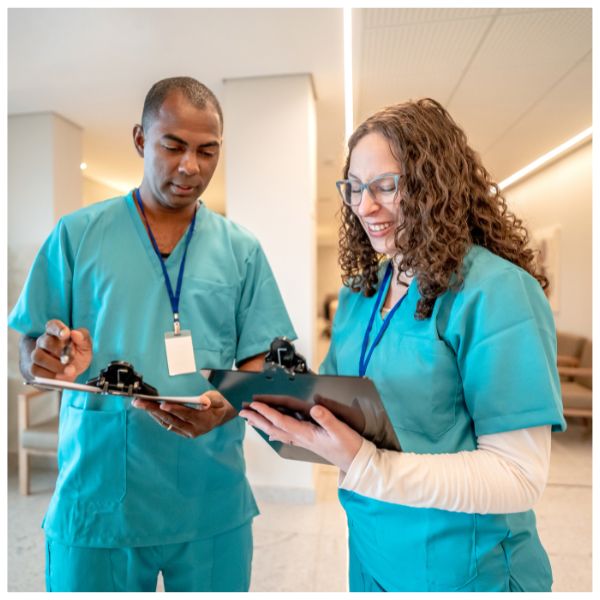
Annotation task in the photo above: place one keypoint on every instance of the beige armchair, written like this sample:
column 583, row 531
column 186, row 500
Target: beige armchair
column 35, row 437
column 575, row 370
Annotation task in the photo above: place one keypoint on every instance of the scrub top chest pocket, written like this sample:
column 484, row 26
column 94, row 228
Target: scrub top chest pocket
column 421, row 393
column 209, row 312
column 92, row 455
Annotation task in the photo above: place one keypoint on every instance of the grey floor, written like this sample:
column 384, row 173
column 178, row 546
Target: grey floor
column 301, row 547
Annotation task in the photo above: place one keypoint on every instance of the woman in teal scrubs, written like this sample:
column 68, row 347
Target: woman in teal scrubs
column 442, row 307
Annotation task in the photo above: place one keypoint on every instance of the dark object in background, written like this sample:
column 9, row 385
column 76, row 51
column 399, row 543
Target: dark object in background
column 330, row 305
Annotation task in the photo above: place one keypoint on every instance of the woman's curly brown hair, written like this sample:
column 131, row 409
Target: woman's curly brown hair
column 448, row 202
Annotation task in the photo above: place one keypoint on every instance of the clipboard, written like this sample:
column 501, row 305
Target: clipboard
column 354, row 400
column 58, row 384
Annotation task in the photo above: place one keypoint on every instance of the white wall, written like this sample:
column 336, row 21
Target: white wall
column 561, row 195
column 329, row 278
column 66, row 154
column 30, row 179
column 95, row 191
column 44, row 183
column 270, row 175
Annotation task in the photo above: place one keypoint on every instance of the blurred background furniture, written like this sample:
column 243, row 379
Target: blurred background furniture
column 328, row 312
column 38, row 437
column 575, row 369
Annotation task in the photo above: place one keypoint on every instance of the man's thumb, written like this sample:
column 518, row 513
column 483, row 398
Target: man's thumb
column 81, row 337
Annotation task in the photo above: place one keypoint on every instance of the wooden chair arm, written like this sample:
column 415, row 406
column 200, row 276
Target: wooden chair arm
column 24, row 397
column 575, row 371
column 562, row 360
column 31, row 392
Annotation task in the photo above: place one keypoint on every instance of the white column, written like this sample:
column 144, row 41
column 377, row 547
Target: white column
column 44, row 183
column 270, row 175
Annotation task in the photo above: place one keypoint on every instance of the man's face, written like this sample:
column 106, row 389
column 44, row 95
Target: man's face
column 180, row 148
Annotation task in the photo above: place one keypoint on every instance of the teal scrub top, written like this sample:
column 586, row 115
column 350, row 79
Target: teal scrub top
column 124, row 480
column 485, row 362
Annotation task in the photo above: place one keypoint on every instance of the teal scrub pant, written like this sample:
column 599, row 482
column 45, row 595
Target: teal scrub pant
column 217, row 564
column 358, row 579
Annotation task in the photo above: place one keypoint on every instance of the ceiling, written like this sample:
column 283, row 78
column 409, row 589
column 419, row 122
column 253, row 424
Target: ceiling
column 519, row 81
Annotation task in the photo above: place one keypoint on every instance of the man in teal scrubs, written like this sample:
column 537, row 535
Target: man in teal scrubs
column 162, row 488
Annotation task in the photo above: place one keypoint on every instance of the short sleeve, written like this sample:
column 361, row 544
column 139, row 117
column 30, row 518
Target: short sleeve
column 503, row 333
column 261, row 315
column 47, row 291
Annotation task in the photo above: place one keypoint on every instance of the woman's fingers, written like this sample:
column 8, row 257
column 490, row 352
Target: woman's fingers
column 279, row 420
column 257, row 420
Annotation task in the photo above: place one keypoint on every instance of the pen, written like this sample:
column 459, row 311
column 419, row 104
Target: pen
column 65, row 355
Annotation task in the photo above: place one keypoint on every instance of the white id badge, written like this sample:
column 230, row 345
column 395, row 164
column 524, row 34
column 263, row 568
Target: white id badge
column 180, row 353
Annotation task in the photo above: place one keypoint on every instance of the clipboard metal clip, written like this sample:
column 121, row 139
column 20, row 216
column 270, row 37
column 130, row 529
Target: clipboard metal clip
column 282, row 355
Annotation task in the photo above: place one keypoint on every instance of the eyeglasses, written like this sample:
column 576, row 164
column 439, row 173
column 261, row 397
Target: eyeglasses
column 383, row 189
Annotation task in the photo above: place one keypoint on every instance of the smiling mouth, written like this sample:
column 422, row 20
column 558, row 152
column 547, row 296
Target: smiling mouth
column 378, row 227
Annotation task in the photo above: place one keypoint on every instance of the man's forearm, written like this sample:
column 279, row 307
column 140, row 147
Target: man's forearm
column 255, row 363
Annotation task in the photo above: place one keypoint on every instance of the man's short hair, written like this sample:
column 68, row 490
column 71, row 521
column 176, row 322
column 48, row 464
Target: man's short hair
column 194, row 91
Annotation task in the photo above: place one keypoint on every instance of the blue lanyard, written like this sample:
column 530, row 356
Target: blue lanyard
column 365, row 356
column 173, row 297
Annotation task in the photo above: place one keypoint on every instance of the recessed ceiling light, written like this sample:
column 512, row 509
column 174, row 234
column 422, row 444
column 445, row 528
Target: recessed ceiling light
column 83, row 166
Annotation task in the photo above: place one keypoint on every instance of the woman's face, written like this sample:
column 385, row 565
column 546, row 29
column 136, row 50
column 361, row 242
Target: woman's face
column 370, row 158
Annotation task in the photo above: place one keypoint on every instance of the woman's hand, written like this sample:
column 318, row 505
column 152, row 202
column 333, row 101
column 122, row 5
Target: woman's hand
column 330, row 438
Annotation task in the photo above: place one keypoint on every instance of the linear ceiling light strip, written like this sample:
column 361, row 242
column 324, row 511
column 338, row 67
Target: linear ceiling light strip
column 542, row 160
column 348, row 103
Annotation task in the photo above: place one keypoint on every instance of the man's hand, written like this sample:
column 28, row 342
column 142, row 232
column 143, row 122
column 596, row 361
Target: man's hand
column 330, row 438
column 41, row 357
column 189, row 422
column 193, row 422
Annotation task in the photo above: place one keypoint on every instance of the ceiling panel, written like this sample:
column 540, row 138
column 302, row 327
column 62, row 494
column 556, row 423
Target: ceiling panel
column 395, row 17
column 565, row 111
column 518, row 80
column 521, row 59
column 416, row 60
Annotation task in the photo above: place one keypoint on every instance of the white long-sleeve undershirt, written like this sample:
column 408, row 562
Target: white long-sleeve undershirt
column 507, row 473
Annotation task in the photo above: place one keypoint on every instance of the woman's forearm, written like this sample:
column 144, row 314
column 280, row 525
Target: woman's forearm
column 506, row 473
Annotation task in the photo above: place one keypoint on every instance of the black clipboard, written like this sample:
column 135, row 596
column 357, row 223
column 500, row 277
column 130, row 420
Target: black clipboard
column 351, row 399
